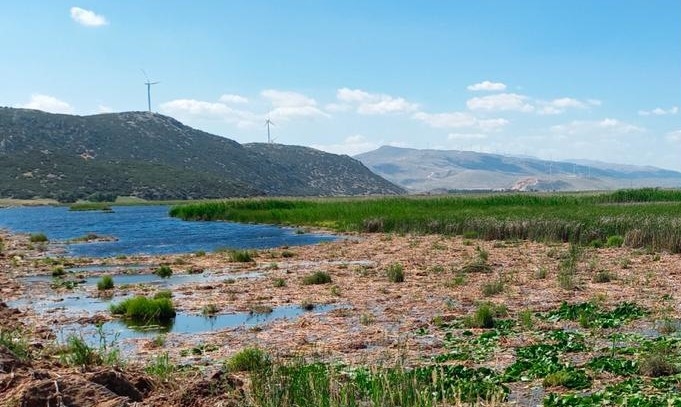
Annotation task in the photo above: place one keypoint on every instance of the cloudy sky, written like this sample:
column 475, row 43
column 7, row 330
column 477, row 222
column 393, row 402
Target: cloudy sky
column 554, row 79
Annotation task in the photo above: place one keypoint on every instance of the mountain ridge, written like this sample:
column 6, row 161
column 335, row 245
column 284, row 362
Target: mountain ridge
column 153, row 156
column 429, row 170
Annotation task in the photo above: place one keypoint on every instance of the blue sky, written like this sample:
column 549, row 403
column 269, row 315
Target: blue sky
column 596, row 79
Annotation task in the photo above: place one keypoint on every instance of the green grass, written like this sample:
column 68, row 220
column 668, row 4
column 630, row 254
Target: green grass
column 319, row 277
column 395, row 273
column 105, row 283
column 484, row 317
column 300, row 383
column 16, row 342
column 145, row 310
column 38, row 238
column 248, row 360
column 161, row 366
column 58, row 271
column 644, row 218
column 90, row 206
column 240, row 256
column 164, row 271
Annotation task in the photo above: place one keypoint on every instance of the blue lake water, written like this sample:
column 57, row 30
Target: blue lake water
column 146, row 230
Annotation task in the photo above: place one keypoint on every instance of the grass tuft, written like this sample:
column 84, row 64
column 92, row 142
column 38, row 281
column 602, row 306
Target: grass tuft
column 319, row 277
column 105, row 283
column 395, row 273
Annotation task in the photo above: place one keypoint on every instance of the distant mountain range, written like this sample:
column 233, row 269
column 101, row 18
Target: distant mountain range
column 446, row 171
column 152, row 156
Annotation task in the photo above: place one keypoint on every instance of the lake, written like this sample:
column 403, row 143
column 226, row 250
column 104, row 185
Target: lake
column 147, row 230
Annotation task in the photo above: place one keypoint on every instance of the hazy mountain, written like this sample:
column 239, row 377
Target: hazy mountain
column 447, row 170
column 156, row 157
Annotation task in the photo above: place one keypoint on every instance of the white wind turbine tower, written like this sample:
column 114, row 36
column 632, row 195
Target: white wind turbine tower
column 269, row 122
column 148, row 83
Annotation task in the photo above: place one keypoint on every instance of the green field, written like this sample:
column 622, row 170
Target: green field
column 643, row 217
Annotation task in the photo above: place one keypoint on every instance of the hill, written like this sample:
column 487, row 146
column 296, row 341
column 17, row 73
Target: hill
column 449, row 170
column 152, row 156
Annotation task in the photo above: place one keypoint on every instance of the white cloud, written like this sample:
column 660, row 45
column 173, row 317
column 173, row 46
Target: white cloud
column 606, row 126
column 291, row 104
column 658, row 111
column 352, row 145
column 198, row 109
column 487, row 86
column 458, row 120
column 233, row 99
column 560, row 105
column 500, row 102
column 87, row 18
column 48, row 104
column 371, row 103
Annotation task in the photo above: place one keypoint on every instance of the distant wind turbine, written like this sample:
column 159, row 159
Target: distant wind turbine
column 148, row 83
column 269, row 122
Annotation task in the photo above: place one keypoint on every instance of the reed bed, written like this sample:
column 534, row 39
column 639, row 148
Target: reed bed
column 644, row 217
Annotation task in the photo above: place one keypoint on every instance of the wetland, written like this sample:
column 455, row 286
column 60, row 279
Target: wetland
column 469, row 321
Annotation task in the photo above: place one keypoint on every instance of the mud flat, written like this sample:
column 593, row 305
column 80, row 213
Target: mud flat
column 364, row 316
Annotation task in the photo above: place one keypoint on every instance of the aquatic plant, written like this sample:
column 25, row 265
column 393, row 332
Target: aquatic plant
column 37, row 238
column 105, row 283
column 145, row 310
column 647, row 221
column 164, row 271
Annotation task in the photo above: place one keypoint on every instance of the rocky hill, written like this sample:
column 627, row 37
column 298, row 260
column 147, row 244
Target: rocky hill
column 153, row 156
column 443, row 171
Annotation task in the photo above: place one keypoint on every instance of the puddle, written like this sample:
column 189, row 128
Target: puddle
column 81, row 302
column 108, row 268
column 148, row 278
column 185, row 323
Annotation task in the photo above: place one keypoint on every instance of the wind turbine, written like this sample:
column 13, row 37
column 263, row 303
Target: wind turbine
column 269, row 122
column 148, row 83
